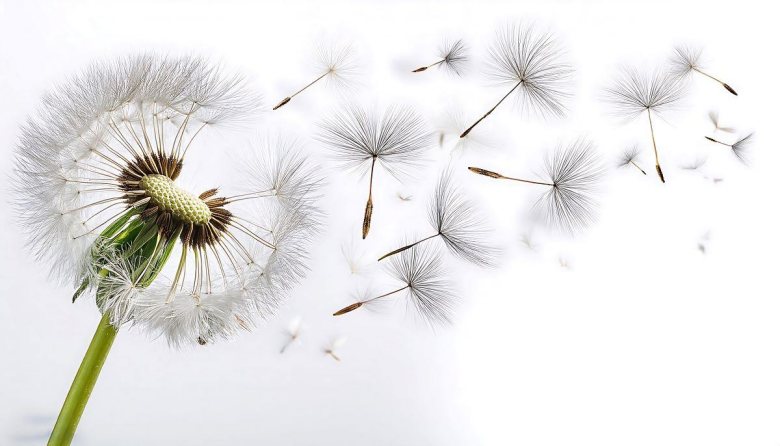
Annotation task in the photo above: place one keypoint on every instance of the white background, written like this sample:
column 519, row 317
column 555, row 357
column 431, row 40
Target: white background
column 641, row 340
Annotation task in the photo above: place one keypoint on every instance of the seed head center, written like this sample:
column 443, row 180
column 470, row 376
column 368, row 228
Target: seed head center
column 165, row 194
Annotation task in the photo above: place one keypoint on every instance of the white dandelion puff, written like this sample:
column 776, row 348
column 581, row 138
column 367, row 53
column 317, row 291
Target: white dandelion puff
column 96, row 191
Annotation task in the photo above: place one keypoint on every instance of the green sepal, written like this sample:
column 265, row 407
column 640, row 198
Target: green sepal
column 162, row 259
column 98, row 248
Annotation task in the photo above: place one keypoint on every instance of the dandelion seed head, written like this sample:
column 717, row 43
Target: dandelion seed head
column 96, row 173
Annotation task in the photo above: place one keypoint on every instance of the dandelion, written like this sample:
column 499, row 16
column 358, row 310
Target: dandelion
column 629, row 157
column 572, row 173
column 336, row 64
column 419, row 272
column 457, row 223
column 635, row 93
column 687, row 60
column 739, row 148
column 452, row 56
column 531, row 63
column 361, row 140
column 96, row 190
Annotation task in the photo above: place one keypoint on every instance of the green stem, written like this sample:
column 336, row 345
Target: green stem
column 83, row 383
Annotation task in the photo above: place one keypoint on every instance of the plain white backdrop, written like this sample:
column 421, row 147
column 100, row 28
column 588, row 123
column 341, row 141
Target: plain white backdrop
column 627, row 335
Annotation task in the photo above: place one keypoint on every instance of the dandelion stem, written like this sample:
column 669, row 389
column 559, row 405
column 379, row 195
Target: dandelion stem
column 491, row 174
column 427, row 66
column 289, row 98
column 83, row 383
column 655, row 148
column 637, row 166
column 404, row 248
column 357, row 305
column 369, row 204
column 725, row 85
column 719, row 142
column 466, row 132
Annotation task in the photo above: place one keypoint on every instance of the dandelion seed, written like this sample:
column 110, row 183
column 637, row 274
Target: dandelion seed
column 635, row 93
column 96, row 190
column 457, row 223
column 333, row 348
column 527, row 240
column 420, row 271
column 293, row 334
column 452, row 56
column 715, row 119
column 739, row 148
column 703, row 242
column 355, row 258
column 629, row 157
column 531, row 63
column 687, row 59
column 404, row 197
column 694, row 164
column 336, row 64
column 363, row 140
column 572, row 174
